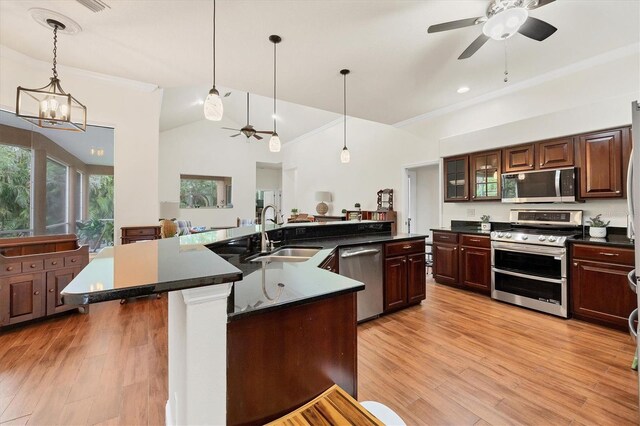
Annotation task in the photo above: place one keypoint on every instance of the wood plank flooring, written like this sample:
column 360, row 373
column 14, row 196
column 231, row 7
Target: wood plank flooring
column 459, row 358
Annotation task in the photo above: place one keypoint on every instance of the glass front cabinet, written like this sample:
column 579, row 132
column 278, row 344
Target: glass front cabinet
column 485, row 175
column 456, row 173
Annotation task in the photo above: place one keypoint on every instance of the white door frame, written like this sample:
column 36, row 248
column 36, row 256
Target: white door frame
column 405, row 186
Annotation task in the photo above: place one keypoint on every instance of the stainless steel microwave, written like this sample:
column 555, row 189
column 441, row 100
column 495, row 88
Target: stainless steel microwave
column 540, row 186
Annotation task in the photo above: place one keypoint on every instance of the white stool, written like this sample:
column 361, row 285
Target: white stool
column 385, row 414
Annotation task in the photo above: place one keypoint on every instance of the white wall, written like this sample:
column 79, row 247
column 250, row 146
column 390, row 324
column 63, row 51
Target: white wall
column 203, row 148
column 378, row 153
column 127, row 106
column 267, row 178
column 588, row 99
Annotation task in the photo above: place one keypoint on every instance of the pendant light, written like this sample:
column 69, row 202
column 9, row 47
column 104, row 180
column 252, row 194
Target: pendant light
column 56, row 108
column 345, row 157
column 213, row 108
column 274, row 142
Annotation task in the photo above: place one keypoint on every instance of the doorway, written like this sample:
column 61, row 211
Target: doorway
column 423, row 198
column 269, row 190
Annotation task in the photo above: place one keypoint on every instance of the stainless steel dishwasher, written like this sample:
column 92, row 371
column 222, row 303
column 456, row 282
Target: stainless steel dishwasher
column 364, row 264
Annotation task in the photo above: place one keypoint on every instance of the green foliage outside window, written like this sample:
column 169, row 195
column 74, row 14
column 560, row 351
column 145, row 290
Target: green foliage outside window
column 195, row 193
column 15, row 187
column 100, row 197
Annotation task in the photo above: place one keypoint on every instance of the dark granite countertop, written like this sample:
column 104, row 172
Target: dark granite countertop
column 332, row 243
column 463, row 230
column 610, row 240
column 146, row 268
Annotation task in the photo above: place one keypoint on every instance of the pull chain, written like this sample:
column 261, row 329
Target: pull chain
column 55, row 51
column 506, row 65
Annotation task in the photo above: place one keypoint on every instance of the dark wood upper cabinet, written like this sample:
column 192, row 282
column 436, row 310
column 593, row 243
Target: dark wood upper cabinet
column 485, row 175
column 456, row 178
column 602, row 158
column 519, row 158
column 555, row 153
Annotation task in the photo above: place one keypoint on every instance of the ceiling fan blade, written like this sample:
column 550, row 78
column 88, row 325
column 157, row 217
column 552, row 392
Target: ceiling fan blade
column 268, row 132
column 536, row 29
column 540, row 4
column 461, row 23
column 473, row 47
column 258, row 137
column 233, row 136
column 229, row 128
column 227, row 94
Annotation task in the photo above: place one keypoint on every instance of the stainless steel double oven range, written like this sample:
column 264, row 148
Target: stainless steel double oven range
column 529, row 261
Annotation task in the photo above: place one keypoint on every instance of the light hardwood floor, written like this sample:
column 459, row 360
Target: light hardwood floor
column 458, row 358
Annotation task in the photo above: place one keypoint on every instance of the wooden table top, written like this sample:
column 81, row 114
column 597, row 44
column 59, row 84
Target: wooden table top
column 334, row 406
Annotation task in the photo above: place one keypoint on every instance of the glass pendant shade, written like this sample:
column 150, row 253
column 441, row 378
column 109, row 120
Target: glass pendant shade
column 506, row 23
column 213, row 108
column 274, row 143
column 345, row 157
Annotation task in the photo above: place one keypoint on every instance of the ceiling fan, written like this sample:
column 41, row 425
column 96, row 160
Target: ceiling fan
column 248, row 129
column 503, row 19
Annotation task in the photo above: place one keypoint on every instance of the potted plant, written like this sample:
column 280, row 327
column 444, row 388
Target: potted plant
column 597, row 227
column 294, row 213
column 485, row 225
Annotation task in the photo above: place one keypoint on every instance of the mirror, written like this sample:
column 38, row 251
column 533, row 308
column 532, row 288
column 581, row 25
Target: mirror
column 56, row 182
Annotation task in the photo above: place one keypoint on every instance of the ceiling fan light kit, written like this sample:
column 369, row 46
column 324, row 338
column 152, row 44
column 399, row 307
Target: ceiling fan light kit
column 50, row 106
column 213, row 108
column 503, row 19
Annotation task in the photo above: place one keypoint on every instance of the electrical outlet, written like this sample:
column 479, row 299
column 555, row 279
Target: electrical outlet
column 471, row 212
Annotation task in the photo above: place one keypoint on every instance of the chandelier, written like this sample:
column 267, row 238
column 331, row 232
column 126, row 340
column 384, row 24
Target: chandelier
column 50, row 106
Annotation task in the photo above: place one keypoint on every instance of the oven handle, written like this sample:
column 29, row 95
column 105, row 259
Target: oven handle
column 523, row 248
column 530, row 277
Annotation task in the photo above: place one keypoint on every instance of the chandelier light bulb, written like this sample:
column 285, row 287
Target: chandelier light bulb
column 274, row 143
column 213, row 108
column 345, row 157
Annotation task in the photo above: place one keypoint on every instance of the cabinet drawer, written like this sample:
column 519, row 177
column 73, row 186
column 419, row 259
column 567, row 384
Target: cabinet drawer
column 33, row 265
column 404, row 247
column 10, row 268
column 604, row 254
column 54, row 262
column 135, row 232
column 73, row 260
column 475, row 241
column 445, row 237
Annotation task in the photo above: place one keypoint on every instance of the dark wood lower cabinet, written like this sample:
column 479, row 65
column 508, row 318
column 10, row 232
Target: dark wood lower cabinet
column 395, row 279
column 22, row 298
column 404, row 275
column 56, row 282
column 445, row 263
column 600, row 292
column 475, row 268
column 279, row 360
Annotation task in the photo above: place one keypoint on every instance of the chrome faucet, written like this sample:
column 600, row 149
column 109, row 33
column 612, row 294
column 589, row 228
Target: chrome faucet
column 265, row 244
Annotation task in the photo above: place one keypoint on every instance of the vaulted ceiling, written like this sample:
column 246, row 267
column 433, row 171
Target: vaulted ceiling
column 398, row 70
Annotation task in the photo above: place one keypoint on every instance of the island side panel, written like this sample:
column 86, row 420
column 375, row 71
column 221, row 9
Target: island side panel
column 279, row 360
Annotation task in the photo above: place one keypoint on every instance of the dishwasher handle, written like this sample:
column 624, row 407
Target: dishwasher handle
column 359, row 253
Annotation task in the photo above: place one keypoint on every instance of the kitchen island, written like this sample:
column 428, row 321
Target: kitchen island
column 279, row 336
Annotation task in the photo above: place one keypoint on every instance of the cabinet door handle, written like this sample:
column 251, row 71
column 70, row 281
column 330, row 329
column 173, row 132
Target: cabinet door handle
column 50, row 290
column 74, row 260
column 36, row 293
column 455, row 248
column 618, row 191
column 575, row 263
column 608, row 254
column 530, row 165
column 9, row 268
column 462, row 249
column 33, row 265
column 541, row 164
column 55, row 262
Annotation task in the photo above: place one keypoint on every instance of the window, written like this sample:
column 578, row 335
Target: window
column 56, row 197
column 15, row 191
column 100, row 197
column 205, row 191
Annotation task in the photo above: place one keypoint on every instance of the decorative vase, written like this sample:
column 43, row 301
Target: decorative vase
column 597, row 232
column 485, row 226
column 322, row 208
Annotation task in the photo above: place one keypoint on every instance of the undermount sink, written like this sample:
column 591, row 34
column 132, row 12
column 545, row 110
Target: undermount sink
column 288, row 254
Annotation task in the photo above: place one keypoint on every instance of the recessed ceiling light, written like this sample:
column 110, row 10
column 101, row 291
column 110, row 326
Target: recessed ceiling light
column 463, row 89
